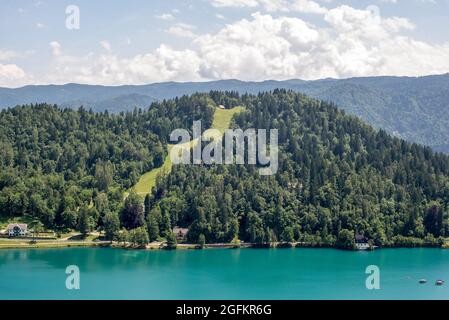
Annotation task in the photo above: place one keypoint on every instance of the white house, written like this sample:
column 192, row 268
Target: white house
column 17, row 230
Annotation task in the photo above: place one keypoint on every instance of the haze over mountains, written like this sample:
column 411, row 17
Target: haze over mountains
column 415, row 109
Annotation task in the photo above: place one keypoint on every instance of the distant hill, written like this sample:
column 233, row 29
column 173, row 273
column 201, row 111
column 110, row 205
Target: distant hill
column 115, row 105
column 98, row 98
column 415, row 109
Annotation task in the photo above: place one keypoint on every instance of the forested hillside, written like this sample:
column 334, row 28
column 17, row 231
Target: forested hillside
column 412, row 108
column 337, row 176
column 57, row 163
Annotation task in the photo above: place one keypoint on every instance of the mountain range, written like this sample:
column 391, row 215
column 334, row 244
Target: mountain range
column 413, row 108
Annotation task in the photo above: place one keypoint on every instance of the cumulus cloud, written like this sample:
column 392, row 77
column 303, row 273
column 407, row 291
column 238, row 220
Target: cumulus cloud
column 167, row 64
column 354, row 43
column 55, row 48
column 105, row 45
column 11, row 75
column 307, row 6
column 163, row 64
column 182, row 30
column 349, row 42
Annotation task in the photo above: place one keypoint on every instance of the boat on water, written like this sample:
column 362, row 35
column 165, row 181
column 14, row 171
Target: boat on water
column 362, row 246
column 422, row 281
column 439, row 282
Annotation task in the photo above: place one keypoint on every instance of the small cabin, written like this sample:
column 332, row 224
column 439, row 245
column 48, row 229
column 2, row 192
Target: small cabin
column 17, row 230
column 180, row 233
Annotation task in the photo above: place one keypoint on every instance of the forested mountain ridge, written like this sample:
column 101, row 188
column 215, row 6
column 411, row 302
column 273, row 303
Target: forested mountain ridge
column 337, row 176
column 415, row 109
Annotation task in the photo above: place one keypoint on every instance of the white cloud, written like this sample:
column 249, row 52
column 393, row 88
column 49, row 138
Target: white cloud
column 307, row 6
column 167, row 64
column 182, row 30
column 11, row 75
column 11, row 71
column 163, row 64
column 7, row 55
column 105, row 45
column 165, row 16
column 354, row 43
column 349, row 42
column 55, row 48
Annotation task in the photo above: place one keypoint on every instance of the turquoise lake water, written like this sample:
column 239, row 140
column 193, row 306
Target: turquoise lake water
column 223, row 274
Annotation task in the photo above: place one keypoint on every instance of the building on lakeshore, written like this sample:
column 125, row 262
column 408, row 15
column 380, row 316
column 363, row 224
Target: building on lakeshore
column 361, row 242
column 17, row 230
column 181, row 233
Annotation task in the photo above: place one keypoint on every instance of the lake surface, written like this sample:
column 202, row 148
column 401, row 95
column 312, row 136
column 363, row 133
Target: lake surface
column 222, row 274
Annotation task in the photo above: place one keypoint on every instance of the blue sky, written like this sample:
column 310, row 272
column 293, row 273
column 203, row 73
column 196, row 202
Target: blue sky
column 137, row 41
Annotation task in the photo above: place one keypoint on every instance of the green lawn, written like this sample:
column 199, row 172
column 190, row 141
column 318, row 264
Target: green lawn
column 223, row 117
column 148, row 180
column 222, row 121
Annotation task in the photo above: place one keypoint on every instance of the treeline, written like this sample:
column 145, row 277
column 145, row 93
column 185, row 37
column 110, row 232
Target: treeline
column 69, row 168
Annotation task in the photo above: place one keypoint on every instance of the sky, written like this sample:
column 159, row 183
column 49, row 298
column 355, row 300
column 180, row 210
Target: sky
column 139, row 41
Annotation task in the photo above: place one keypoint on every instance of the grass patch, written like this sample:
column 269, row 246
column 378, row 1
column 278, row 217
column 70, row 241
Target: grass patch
column 222, row 121
column 223, row 117
column 148, row 180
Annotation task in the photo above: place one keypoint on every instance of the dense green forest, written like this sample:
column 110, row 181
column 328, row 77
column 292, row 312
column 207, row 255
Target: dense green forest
column 412, row 108
column 337, row 176
column 57, row 165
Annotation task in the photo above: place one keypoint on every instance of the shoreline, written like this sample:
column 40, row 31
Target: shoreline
column 8, row 244
column 28, row 243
